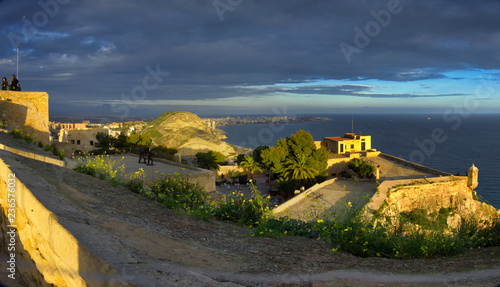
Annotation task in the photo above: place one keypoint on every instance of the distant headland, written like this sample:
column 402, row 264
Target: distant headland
column 231, row 121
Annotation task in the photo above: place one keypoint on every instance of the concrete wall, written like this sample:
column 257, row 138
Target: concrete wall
column 28, row 111
column 45, row 251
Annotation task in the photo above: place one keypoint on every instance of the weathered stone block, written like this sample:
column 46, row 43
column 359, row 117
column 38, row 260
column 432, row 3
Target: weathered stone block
column 28, row 111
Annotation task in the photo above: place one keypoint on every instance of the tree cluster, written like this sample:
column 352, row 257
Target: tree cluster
column 106, row 141
column 296, row 160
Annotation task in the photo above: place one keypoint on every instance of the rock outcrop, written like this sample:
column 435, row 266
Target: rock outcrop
column 188, row 133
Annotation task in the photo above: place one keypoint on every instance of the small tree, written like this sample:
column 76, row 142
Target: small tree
column 104, row 140
column 121, row 141
column 210, row 160
column 249, row 164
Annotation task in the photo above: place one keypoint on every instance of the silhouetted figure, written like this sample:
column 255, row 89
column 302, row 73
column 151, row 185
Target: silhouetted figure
column 458, row 173
column 142, row 152
column 18, row 88
column 150, row 157
column 5, row 84
column 14, row 83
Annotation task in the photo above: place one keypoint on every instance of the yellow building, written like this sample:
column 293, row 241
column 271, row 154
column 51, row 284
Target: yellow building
column 349, row 143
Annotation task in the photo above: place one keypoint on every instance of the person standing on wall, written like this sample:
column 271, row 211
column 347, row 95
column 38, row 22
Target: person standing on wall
column 5, row 84
column 14, row 83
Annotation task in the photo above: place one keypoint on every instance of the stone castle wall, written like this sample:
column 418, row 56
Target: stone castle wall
column 28, row 111
column 46, row 253
column 397, row 196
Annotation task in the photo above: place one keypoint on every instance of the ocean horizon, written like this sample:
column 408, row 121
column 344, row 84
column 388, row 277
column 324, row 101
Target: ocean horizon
column 450, row 143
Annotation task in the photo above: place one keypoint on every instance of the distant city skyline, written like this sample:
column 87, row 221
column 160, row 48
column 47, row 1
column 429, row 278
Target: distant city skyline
column 128, row 59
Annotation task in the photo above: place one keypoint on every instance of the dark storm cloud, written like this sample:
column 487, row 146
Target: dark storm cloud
column 100, row 49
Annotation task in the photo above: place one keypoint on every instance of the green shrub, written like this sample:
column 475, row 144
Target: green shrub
column 86, row 169
column 285, row 226
column 136, row 181
column 103, row 166
column 362, row 167
column 175, row 192
column 61, row 154
column 249, row 212
column 17, row 133
column 28, row 139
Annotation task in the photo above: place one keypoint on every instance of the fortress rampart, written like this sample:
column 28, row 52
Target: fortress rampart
column 397, row 196
column 28, row 111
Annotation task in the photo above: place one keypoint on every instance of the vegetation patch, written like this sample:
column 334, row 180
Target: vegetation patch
column 362, row 167
column 347, row 231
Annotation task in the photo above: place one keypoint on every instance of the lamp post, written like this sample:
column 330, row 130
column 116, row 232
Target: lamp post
column 17, row 71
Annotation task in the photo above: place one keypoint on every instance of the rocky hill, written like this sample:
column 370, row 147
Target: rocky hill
column 188, row 133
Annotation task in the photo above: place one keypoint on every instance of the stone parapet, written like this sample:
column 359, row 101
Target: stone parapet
column 415, row 165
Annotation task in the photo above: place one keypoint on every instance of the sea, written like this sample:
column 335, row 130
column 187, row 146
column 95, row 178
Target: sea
column 449, row 142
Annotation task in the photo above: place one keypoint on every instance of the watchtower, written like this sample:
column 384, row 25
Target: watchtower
column 472, row 177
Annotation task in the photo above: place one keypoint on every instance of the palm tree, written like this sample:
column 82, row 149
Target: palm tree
column 207, row 160
column 300, row 168
column 249, row 164
column 233, row 174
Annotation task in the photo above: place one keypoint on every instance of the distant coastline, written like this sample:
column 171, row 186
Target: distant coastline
column 232, row 121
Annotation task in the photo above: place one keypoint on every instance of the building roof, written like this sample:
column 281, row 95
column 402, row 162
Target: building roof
column 338, row 139
column 355, row 134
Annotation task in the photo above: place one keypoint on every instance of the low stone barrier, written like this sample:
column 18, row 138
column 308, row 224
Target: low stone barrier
column 415, row 165
column 33, row 155
column 298, row 198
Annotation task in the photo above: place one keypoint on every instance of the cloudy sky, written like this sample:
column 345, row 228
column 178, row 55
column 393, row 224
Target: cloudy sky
column 128, row 58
